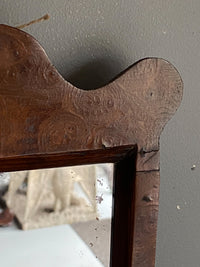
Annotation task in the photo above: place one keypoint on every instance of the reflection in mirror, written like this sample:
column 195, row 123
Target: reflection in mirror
column 67, row 212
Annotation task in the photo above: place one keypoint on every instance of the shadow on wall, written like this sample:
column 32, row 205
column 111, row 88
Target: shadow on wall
column 94, row 74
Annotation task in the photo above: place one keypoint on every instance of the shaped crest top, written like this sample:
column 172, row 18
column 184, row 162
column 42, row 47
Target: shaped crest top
column 41, row 112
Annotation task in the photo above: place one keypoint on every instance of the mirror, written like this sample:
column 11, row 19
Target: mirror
column 65, row 214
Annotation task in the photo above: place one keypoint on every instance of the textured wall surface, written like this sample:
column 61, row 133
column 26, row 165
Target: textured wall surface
column 99, row 39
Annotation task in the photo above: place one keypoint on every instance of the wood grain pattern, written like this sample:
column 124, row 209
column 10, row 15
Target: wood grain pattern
column 47, row 122
column 41, row 112
column 148, row 161
column 146, row 217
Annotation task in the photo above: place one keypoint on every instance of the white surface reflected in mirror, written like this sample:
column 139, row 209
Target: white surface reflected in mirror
column 66, row 214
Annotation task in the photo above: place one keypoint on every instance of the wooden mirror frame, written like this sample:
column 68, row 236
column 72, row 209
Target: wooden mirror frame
column 47, row 122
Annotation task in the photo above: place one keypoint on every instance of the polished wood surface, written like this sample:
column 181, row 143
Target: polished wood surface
column 46, row 121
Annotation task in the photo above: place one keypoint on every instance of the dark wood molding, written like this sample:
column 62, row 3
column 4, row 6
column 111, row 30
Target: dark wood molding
column 123, row 212
column 52, row 160
column 47, row 122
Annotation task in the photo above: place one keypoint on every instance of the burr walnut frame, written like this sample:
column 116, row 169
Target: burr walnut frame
column 47, row 122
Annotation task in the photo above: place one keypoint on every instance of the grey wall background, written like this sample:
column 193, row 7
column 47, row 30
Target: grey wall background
column 99, row 39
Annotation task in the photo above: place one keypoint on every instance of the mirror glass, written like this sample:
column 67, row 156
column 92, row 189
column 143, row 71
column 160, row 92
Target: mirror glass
column 56, row 217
